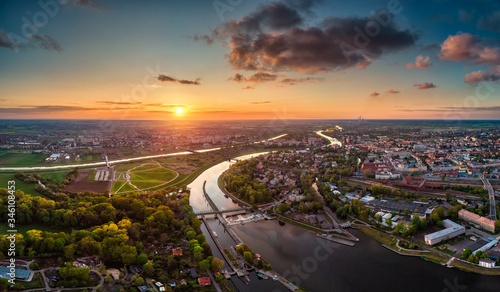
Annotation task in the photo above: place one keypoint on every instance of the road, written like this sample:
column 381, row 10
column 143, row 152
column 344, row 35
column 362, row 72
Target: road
column 86, row 165
column 487, row 186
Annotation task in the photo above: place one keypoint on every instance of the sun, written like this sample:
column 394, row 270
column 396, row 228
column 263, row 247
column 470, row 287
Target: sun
column 179, row 110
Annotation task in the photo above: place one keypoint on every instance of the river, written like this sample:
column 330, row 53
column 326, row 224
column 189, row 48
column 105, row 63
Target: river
column 320, row 265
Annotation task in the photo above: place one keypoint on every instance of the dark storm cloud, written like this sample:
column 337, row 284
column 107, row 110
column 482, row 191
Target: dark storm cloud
column 275, row 37
column 165, row 78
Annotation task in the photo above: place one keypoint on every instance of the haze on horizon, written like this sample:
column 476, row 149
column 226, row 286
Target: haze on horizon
column 216, row 60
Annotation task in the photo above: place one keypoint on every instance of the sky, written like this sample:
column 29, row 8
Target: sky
column 241, row 59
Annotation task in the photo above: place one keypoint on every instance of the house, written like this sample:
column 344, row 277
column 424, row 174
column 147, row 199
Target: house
column 142, row 288
column 193, row 272
column 177, row 251
column 326, row 225
column 183, row 282
column 487, row 263
column 205, row 281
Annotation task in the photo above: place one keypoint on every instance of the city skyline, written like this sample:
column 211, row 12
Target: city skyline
column 210, row 60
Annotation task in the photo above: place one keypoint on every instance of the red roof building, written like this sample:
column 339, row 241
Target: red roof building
column 205, row 281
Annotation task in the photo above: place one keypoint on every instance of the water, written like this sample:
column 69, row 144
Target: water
column 211, row 175
column 305, row 259
column 319, row 265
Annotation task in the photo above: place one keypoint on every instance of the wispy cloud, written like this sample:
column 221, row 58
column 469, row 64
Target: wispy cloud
column 293, row 81
column 392, row 91
column 260, row 102
column 374, row 93
column 165, row 78
column 425, row 85
column 117, row 102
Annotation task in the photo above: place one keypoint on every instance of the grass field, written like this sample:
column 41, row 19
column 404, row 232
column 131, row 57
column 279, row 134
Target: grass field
column 24, row 228
column 149, row 176
column 20, row 159
column 20, row 185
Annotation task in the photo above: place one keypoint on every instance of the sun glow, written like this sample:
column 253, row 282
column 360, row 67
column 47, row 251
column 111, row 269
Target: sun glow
column 179, row 110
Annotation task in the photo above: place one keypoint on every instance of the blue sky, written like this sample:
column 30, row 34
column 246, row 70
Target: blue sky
column 91, row 58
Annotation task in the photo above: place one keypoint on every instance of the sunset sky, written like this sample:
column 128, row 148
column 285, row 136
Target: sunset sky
column 241, row 59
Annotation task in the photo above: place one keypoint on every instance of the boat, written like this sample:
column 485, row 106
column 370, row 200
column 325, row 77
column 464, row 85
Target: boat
column 215, row 233
column 260, row 275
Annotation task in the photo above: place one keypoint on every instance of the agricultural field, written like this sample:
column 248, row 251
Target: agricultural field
column 141, row 176
column 20, row 159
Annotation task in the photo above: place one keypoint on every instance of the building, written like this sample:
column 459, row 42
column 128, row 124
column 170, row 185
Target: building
column 452, row 230
column 485, row 223
column 205, row 281
column 177, row 251
column 487, row 263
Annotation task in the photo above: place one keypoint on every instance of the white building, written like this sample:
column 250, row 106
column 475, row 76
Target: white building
column 452, row 230
column 487, row 263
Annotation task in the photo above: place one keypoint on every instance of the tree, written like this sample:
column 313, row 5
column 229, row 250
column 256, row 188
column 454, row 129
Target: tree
column 204, row 265
column 248, row 257
column 217, row 264
column 142, row 259
column 497, row 226
column 148, row 268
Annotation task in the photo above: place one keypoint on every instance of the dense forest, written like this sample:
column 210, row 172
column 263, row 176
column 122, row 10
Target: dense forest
column 124, row 229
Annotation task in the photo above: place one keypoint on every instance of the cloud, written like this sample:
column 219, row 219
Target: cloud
column 293, row 81
column 260, row 102
column 32, row 41
column 256, row 78
column 48, row 109
column 426, row 85
column 480, row 76
column 421, row 62
column 392, row 91
column 249, row 87
column 276, row 38
column 455, row 109
column 3, row 99
column 490, row 22
column 118, row 102
column 196, row 82
column 262, row 77
column 465, row 16
column 165, row 78
column 471, row 48
column 88, row 4
column 374, row 93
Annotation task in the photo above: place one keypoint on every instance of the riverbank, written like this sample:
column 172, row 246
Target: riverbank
column 391, row 243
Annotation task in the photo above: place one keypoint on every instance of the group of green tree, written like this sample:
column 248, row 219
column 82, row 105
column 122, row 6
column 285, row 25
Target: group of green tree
column 241, row 182
column 473, row 258
column 124, row 229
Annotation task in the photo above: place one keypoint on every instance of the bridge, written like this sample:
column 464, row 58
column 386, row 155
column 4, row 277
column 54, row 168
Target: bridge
column 212, row 212
column 491, row 192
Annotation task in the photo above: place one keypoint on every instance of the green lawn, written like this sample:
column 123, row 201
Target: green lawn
column 128, row 188
column 20, row 185
column 151, row 175
column 56, row 177
column 33, row 284
column 24, row 228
